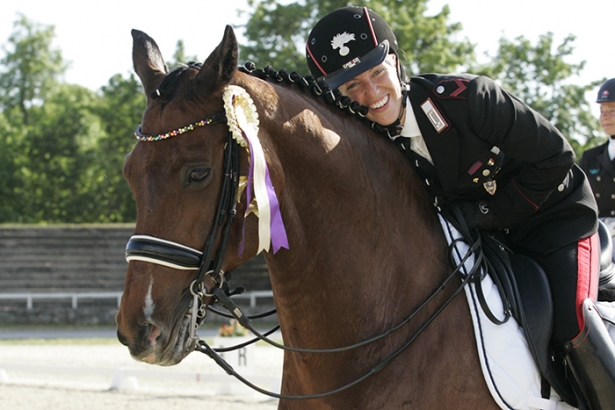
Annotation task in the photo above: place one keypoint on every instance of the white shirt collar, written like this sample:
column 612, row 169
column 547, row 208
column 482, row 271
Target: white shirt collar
column 411, row 127
column 412, row 131
column 611, row 148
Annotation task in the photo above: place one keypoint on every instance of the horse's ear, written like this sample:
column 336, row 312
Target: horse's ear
column 147, row 61
column 221, row 64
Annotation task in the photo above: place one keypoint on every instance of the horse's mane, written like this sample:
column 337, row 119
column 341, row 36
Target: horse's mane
column 318, row 88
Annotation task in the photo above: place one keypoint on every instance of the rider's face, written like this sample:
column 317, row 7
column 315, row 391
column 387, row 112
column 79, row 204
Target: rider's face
column 379, row 90
column 607, row 117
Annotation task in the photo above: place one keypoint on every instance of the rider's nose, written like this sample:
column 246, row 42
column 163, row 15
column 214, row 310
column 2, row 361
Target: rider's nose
column 371, row 89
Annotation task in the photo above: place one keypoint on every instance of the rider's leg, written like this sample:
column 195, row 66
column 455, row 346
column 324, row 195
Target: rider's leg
column 573, row 278
column 591, row 359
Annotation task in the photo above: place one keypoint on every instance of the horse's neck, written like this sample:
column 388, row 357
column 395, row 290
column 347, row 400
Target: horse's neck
column 361, row 229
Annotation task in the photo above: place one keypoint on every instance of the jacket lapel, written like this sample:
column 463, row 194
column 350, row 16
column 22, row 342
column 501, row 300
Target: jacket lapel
column 444, row 146
column 605, row 161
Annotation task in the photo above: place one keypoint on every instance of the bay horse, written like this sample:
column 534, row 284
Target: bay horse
column 365, row 246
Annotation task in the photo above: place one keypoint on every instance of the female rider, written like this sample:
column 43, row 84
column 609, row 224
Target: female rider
column 502, row 163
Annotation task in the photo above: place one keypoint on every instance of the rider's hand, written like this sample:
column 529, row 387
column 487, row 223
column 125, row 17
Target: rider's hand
column 479, row 215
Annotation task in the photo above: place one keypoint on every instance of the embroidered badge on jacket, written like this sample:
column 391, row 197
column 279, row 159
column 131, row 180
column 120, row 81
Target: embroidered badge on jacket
column 490, row 186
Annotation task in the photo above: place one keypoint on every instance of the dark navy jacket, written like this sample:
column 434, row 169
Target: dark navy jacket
column 487, row 145
column 601, row 175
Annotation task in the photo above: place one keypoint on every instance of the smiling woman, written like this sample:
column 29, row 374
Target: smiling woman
column 378, row 89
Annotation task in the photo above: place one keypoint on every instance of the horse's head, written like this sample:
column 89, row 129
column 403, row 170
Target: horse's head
column 177, row 182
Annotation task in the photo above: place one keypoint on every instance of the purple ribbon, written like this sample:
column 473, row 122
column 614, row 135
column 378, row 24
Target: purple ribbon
column 278, row 235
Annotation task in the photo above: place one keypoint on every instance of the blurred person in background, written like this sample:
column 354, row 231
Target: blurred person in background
column 598, row 162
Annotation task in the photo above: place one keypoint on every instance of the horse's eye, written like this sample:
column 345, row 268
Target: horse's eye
column 197, row 175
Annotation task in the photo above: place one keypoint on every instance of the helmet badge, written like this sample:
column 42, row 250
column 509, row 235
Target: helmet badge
column 340, row 40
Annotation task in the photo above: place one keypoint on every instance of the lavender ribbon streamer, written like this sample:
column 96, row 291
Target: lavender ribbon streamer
column 279, row 238
column 278, row 231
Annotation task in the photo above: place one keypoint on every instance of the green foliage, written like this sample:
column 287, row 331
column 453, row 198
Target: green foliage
column 277, row 32
column 63, row 146
column 11, row 143
column 122, row 106
column 426, row 41
column 180, row 57
column 540, row 76
column 31, row 67
column 58, row 150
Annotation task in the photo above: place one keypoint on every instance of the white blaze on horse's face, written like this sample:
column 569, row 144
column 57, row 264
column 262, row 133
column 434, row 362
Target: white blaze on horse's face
column 148, row 312
column 148, row 306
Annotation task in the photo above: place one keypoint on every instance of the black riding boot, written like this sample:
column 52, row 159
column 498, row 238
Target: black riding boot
column 591, row 358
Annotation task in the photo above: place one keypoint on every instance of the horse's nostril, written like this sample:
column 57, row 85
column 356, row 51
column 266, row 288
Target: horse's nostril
column 152, row 333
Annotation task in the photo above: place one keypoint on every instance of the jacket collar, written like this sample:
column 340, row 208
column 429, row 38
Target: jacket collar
column 444, row 146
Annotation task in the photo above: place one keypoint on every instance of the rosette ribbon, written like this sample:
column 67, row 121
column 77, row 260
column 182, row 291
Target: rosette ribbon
column 243, row 123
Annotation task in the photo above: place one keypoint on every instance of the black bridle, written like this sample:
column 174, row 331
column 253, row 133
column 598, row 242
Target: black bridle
column 171, row 254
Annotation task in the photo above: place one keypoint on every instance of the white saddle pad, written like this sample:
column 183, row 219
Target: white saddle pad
column 507, row 363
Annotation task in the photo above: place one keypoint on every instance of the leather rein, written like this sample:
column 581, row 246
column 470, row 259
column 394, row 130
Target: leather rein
column 172, row 254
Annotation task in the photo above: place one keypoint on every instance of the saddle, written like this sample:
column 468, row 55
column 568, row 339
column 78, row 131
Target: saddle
column 526, row 296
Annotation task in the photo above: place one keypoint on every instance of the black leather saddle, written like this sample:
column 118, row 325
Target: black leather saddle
column 530, row 298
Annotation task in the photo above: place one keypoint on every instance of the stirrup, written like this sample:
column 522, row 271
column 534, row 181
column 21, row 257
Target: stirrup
column 591, row 359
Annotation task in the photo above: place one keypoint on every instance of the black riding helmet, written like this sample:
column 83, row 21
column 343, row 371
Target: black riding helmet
column 606, row 93
column 348, row 42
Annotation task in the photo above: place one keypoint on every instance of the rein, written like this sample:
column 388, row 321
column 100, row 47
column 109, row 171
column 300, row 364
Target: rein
column 228, row 304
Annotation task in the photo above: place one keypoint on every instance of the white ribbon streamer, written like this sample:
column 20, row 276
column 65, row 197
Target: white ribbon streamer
column 243, row 124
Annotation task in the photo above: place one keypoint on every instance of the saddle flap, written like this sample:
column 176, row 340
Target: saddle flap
column 535, row 306
column 536, row 318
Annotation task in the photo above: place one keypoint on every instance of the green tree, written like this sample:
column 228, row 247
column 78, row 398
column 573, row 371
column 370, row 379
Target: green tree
column 540, row 76
column 59, row 149
column 30, row 74
column 31, row 68
column 122, row 106
column 63, row 145
column 276, row 34
column 11, row 144
column 180, row 57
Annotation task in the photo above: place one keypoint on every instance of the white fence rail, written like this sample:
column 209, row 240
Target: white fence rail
column 29, row 297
